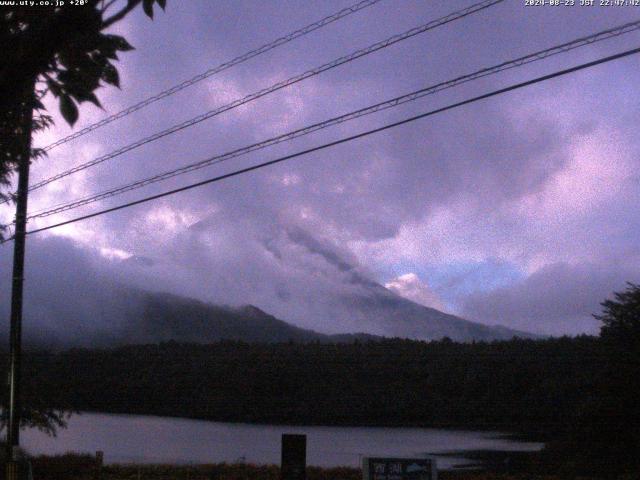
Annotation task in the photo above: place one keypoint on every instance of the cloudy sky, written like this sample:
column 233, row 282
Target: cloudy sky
column 518, row 210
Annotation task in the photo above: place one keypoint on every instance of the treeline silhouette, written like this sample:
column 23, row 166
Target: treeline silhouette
column 578, row 394
column 521, row 385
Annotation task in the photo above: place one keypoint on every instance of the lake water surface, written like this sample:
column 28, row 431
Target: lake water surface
column 147, row 439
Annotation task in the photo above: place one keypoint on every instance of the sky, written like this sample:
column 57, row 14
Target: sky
column 518, row 210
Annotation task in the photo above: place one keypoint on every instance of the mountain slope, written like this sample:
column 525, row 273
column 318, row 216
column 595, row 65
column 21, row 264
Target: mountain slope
column 165, row 317
column 162, row 317
column 90, row 301
column 400, row 317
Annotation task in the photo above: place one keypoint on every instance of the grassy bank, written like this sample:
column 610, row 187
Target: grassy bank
column 83, row 467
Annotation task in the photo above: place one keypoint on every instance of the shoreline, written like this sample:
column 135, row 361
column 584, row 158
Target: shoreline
column 501, row 431
column 211, row 442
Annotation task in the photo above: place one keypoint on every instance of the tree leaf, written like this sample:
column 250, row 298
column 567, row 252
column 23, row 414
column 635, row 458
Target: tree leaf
column 89, row 97
column 54, row 87
column 147, row 6
column 110, row 75
column 107, row 46
column 100, row 60
column 80, row 84
column 68, row 109
column 120, row 43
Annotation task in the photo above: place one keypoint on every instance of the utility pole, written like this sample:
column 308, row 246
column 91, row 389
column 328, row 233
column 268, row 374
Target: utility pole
column 24, row 116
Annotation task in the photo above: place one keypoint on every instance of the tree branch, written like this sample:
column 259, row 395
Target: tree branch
column 120, row 15
column 106, row 7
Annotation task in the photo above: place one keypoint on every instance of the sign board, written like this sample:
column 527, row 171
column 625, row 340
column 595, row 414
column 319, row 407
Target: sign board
column 399, row 468
column 294, row 457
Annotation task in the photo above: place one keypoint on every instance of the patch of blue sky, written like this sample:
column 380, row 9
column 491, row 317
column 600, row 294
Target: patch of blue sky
column 452, row 282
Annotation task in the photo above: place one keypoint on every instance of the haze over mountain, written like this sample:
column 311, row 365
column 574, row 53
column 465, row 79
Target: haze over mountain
column 93, row 300
column 145, row 317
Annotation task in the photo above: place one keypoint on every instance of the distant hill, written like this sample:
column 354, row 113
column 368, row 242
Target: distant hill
column 164, row 317
column 161, row 317
column 140, row 317
column 157, row 317
column 136, row 316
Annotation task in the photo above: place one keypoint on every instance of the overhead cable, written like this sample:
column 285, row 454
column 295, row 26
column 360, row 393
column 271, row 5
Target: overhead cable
column 277, row 86
column 524, row 60
column 212, row 71
column 343, row 140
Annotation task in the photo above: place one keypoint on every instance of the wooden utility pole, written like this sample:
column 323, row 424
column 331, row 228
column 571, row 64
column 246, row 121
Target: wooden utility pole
column 24, row 116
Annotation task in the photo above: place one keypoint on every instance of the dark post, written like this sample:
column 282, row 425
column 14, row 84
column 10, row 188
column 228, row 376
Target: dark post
column 294, row 457
column 23, row 133
column 99, row 463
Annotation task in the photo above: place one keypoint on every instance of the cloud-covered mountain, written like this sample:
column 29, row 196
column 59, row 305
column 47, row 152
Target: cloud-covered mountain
column 93, row 299
column 161, row 317
column 398, row 317
column 522, row 209
column 146, row 317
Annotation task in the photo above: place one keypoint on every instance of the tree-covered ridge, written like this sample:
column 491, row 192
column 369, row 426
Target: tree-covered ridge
column 521, row 384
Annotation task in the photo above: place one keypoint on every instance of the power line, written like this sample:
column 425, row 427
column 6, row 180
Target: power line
column 295, row 79
column 524, row 60
column 345, row 139
column 277, row 86
column 212, row 71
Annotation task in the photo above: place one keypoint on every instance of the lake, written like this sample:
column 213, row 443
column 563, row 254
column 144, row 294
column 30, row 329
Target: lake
column 147, row 439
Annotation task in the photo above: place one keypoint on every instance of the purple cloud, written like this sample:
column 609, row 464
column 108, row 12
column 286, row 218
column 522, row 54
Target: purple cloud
column 544, row 179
